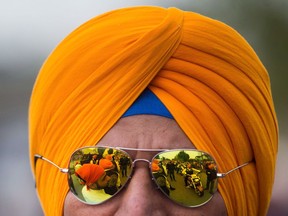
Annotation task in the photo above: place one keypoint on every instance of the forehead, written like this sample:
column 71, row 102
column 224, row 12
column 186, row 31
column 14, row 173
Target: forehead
column 146, row 131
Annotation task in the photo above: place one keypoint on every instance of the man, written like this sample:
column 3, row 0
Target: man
column 171, row 170
column 124, row 163
column 204, row 87
column 95, row 179
column 211, row 173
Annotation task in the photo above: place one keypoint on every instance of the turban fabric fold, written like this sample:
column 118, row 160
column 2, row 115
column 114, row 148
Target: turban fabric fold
column 202, row 70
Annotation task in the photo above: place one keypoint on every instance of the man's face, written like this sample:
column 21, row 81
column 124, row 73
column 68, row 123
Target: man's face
column 101, row 183
column 140, row 196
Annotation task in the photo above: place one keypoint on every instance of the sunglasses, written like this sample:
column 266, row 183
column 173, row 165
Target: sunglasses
column 186, row 176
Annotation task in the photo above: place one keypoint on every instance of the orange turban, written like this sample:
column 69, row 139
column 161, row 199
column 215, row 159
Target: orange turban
column 105, row 163
column 109, row 157
column 90, row 173
column 203, row 71
column 154, row 166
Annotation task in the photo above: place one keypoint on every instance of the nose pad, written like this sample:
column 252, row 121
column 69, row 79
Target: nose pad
column 154, row 182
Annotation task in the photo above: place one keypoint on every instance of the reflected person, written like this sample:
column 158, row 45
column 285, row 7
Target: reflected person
column 96, row 180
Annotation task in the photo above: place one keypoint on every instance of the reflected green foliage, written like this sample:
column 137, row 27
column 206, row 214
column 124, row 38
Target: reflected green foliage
column 182, row 156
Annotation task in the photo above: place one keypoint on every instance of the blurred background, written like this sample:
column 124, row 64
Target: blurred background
column 31, row 29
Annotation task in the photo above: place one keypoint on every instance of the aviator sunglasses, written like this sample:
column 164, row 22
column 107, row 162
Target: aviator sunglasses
column 186, row 176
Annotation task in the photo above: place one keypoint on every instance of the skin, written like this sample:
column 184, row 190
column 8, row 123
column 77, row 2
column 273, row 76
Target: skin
column 141, row 197
column 101, row 183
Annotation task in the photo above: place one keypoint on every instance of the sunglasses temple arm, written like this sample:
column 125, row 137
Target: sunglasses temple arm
column 222, row 175
column 37, row 156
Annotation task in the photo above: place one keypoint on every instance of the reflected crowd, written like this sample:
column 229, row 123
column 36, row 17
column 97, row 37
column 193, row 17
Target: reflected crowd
column 98, row 173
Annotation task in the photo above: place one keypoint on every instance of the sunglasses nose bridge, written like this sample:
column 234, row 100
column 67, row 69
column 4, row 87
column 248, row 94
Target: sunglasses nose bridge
column 138, row 160
column 149, row 162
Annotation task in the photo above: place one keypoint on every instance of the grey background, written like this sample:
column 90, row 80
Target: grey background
column 29, row 31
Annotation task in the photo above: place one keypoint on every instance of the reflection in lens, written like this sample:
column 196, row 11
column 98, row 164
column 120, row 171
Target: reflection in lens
column 98, row 173
column 188, row 177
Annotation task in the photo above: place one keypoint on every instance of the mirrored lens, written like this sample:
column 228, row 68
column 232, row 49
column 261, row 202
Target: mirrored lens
column 188, row 177
column 98, row 173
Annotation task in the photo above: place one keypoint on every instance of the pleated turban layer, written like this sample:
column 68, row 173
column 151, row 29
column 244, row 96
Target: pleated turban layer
column 205, row 73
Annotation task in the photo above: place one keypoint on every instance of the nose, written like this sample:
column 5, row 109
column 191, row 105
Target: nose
column 107, row 178
column 141, row 196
